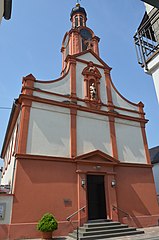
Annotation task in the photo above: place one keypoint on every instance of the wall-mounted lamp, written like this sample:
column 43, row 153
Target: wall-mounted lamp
column 98, row 167
column 83, row 183
column 113, row 183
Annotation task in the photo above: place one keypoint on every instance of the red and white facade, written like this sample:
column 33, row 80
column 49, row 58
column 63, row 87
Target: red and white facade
column 59, row 135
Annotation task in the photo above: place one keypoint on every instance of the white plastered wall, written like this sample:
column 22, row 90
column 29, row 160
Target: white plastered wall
column 121, row 102
column 93, row 133
column 130, row 142
column 80, row 78
column 155, row 76
column 49, row 131
column 51, row 96
column 7, row 178
column 7, row 201
column 62, row 86
column 153, row 65
column 156, row 176
column 89, row 57
column 153, row 69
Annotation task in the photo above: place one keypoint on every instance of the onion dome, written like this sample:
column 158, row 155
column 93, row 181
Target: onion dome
column 78, row 9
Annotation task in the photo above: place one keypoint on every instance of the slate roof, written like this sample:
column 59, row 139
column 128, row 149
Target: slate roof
column 78, row 9
column 154, row 154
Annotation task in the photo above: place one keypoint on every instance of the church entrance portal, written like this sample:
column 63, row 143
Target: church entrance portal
column 96, row 197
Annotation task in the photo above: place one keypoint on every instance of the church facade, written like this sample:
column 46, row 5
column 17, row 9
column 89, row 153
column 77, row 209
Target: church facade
column 75, row 145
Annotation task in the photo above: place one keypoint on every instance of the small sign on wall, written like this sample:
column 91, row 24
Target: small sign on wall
column 2, row 210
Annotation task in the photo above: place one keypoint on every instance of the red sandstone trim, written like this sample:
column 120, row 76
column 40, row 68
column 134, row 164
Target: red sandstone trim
column 140, row 165
column 95, row 55
column 116, row 163
column 141, row 105
column 95, row 45
column 145, row 143
column 96, row 172
column 87, row 162
column 121, row 108
column 86, row 62
column 42, row 158
column 108, row 86
column 113, row 137
column 83, row 100
column 81, row 108
column 76, row 42
column 111, row 118
column 97, row 153
column 24, row 125
column 141, row 111
column 28, row 84
column 27, row 89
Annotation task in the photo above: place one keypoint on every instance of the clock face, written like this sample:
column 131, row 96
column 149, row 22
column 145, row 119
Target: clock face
column 85, row 34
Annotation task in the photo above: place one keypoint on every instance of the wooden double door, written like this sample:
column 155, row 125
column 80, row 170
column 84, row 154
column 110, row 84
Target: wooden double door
column 96, row 197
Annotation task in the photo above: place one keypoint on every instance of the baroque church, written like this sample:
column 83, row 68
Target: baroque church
column 74, row 146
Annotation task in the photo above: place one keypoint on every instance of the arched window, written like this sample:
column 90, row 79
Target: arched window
column 76, row 21
column 81, row 20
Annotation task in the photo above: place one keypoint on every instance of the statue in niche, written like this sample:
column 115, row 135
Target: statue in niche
column 91, row 69
column 92, row 90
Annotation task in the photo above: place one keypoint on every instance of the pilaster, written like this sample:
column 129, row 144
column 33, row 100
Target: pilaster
column 111, row 118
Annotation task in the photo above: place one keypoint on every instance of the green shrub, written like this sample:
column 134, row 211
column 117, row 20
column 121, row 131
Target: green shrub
column 47, row 223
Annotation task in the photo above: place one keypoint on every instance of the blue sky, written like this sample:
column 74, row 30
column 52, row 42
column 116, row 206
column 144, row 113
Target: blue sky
column 31, row 41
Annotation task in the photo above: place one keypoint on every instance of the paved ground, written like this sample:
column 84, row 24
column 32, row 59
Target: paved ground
column 151, row 233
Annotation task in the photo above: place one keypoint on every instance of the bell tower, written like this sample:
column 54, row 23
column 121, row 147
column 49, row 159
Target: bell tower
column 80, row 38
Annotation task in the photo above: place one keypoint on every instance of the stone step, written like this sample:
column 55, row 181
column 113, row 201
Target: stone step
column 100, row 224
column 99, row 220
column 82, row 234
column 105, row 236
column 120, row 226
column 103, row 229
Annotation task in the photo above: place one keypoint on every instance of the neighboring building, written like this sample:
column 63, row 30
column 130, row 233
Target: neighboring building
column 154, row 155
column 147, row 43
column 76, row 142
column 1, row 169
column 1, row 9
column 5, row 9
column 154, row 3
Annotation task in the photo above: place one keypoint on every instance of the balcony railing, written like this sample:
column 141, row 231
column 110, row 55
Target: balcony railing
column 146, row 39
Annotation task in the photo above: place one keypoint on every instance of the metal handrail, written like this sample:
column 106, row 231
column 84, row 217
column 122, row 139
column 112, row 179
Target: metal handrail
column 127, row 214
column 73, row 214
